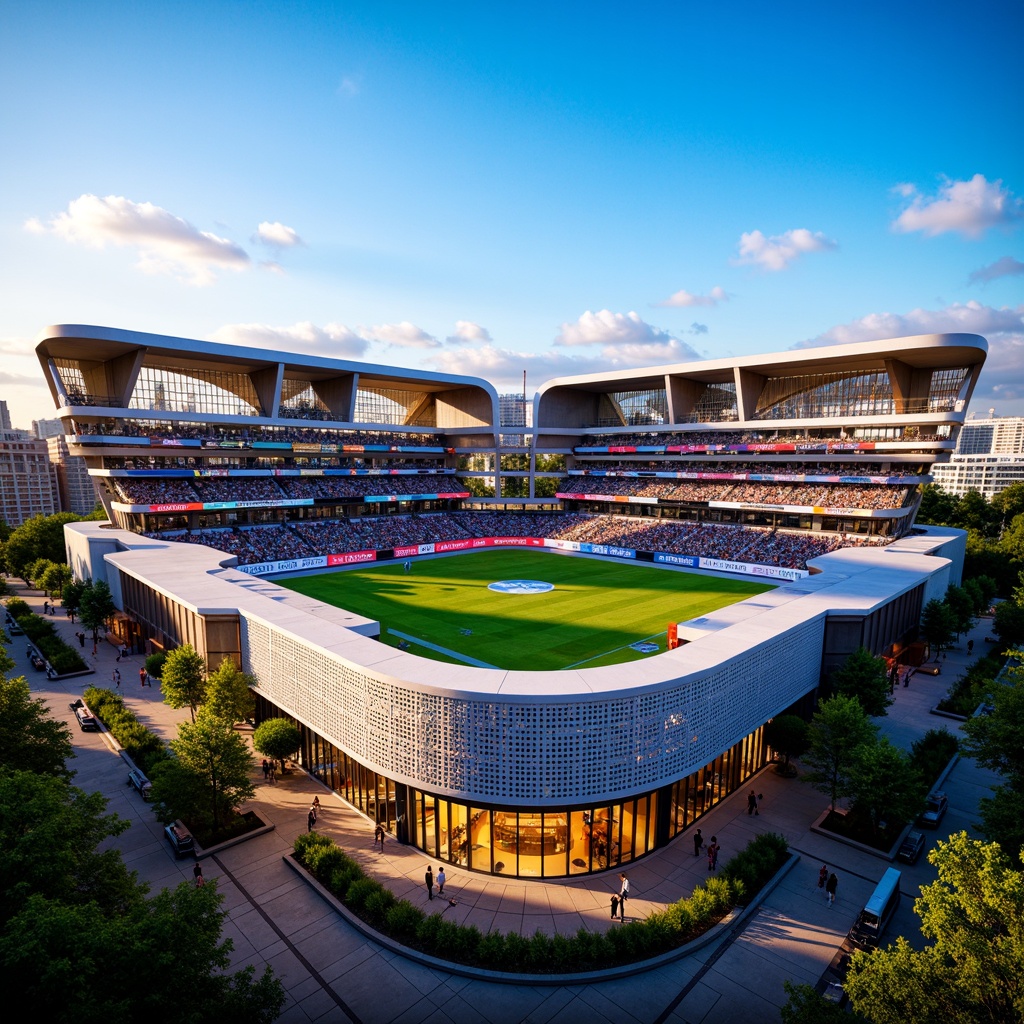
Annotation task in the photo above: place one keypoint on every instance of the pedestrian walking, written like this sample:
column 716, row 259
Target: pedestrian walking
column 266, row 769
column 197, row 873
column 830, row 888
column 822, row 876
column 623, row 894
column 313, row 811
column 316, row 805
column 46, row 608
column 81, row 639
column 142, row 676
column 117, row 678
column 273, row 774
column 378, row 836
column 310, row 820
column 429, row 879
column 698, row 843
column 713, row 854
column 440, row 880
column 752, row 803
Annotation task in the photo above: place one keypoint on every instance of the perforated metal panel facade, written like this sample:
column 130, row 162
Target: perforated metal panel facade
column 539, row 750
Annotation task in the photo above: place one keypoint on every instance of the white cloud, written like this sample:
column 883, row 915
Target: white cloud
column 969, row 207
column 277, row 235
column 1006, row 267
column 468, row 333
column 778, row 251
column 333, row 340
column 684, row 298
column 621, row 333
column 968, row 317
column 166, row 244
column 402, row 335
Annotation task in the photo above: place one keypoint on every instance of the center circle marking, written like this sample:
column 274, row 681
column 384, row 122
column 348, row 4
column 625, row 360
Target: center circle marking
column 521, row 587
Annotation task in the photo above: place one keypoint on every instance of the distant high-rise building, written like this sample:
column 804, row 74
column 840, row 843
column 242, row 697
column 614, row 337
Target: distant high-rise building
column 989, row 457
column 26, row 478
column 47, row 428
column 5, row 417
column 75, row 490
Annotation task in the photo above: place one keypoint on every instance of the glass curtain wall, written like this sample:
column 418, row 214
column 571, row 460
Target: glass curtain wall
column 541, row 843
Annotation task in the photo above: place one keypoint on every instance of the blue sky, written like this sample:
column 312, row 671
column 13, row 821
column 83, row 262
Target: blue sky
column 492, row 188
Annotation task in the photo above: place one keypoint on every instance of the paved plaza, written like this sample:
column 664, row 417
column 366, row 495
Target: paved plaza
column 332, row 972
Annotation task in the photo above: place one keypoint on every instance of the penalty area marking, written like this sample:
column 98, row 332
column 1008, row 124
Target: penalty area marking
column 442, row 650
column 614, row 650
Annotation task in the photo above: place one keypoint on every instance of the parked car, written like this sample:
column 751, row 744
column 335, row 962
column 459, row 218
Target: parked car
column 181, row 840
column 911, row 848
column 86, row 719
column 138, row 780
column 934, row 810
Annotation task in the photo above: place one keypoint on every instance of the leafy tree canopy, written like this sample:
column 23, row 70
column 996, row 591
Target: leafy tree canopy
column 96, row 605
column 183, row 679
column 39, row 537
column 228, row 693
column 1008, row 623
column 789, row 735
column 996, row 740
column 30, row 738
column 277, row 738
column 838, row 727
column 970, row 971
column 866, row 678
column 884, row 784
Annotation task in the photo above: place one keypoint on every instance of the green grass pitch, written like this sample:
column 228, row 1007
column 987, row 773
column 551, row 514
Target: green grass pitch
column 595, row 612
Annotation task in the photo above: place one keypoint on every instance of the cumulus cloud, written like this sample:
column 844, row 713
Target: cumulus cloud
column 968, row 317
column 968, row 207
column 334, row 340
column 1006, row 267
column 622, row 333
column 277, row 235
column 684, row 298
column 776, row 252
column 166, row 243
column 469, row 333
column 401, row 335
column 696, row 328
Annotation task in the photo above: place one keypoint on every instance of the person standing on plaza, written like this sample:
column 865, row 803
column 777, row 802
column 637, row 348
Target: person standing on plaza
column 752, row 803
column 142, row 676
column 698, row 843
column 713, row 854
column 830, row 888
column 623, row 894
column 310, row 820
column 440, row 880
column 266, row 769
column 429, row 879
column 822, row 876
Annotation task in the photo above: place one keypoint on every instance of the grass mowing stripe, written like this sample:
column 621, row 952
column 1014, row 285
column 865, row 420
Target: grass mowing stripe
column 595, row 612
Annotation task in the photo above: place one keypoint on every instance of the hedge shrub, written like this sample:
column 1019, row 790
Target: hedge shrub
column 677, row 924
column 142, row 745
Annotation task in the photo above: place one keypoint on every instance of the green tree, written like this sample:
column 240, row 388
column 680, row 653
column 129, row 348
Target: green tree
column 1008, row 623
column 973, row 512
column 277, row 738
column 937, row 625
column 71, row 595
column 884, row 784
column 96, row 606
column 866, row 678
column 55, row 578
column 1002, row 817
column 49, row 832
column 938, row 507
column 838, row 728
column 1008, row 503
column 788, row 735
column 38, row 537
column 183, row 679
column 211, row 750
column 30, row 738
column 960, row 604
column 996, row 740
column 806, row 1006
column 228, row 693
column 970, row 971
column 36, row 570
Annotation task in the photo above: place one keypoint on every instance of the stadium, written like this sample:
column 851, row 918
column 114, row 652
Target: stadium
column 688, row 549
